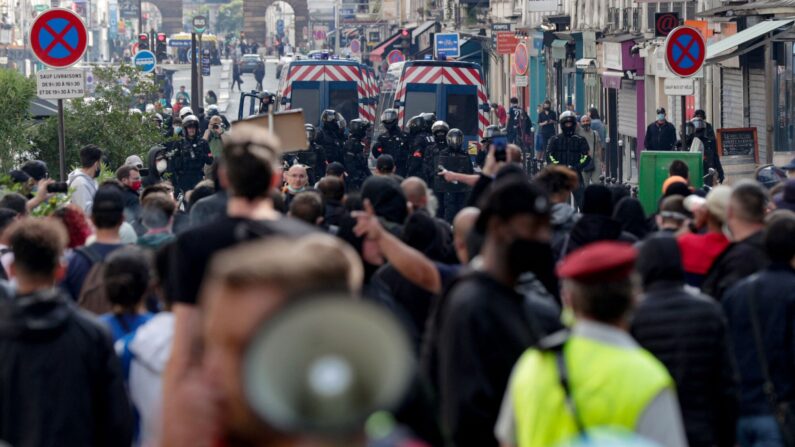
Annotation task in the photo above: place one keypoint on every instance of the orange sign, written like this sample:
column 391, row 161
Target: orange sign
column 506, row 42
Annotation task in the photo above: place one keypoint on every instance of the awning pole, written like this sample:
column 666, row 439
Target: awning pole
column 770, row 111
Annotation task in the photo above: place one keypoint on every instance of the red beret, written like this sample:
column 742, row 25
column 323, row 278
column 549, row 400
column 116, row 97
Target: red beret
column 599, row 262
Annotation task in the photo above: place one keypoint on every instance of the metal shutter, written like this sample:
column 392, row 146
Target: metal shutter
column 758, row 105
column 628, row 109
column 732, row 98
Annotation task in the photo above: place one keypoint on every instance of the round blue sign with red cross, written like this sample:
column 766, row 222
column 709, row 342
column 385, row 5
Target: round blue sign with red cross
column 395, row 56
column 685, row 51
column 58, row 38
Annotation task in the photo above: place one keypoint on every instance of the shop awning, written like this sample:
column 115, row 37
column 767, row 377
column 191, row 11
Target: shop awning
column 612, row 79
column 717, row 49
column 416, row 32
column 585, row 64
column 379, row 50
column 559, row 49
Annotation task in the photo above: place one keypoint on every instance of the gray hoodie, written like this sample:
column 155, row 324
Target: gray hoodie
column 84, row 189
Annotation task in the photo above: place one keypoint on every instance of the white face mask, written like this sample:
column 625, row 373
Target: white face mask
column 162, row 165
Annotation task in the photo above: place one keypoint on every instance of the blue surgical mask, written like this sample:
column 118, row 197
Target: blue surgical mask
column 660, row 116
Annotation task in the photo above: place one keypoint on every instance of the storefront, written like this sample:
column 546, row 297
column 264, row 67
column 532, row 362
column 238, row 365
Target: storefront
column 537, row 72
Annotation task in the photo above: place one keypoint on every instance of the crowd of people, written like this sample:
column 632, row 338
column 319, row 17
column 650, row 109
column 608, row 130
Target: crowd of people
column 534, row 318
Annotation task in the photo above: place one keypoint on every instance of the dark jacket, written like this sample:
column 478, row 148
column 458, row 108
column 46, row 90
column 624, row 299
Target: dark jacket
column 132, row 205
column 476, row 334
column 738, row 261
column 153, row 177
column 567, row 151
column 60, row 380
column 186, row 165
column 393, row 142
column 660, row 138
column 688, row 334
column 591, row 228
column 773, row 290
column 519, row 124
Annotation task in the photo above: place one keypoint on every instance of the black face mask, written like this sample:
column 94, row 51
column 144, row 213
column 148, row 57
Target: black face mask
column 569, row 131
column 99, row 171
column 525, row 255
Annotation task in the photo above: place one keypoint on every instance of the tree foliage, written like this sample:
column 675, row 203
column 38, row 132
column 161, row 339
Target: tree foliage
column 230, row 18
column 16, row 92
column 104, row 120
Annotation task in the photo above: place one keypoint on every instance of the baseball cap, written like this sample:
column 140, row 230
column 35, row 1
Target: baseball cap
column 510, row 197
column 134, row 160
column 718, row 201
column 109, row 198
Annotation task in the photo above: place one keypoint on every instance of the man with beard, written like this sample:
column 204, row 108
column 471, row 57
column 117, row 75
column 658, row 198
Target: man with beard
column 482, row 325
column 392, row 142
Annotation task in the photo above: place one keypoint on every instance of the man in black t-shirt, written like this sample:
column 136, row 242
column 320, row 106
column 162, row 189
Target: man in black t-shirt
column 547, row 120
column 483, row 310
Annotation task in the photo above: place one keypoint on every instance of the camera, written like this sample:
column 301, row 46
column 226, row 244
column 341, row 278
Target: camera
column 500, row 148
column 57, row 187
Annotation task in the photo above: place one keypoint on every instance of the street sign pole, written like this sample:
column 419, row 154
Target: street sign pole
column 194, row 75
column 61, row 143
column 200, row 56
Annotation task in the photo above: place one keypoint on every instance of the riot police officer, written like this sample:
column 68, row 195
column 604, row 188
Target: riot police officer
column 188, row 157
column 329, row 137
column 355, row 154
column 453, row 157
column 569, row 149
column 392, row 142
column 420, row 141
column 439, row 132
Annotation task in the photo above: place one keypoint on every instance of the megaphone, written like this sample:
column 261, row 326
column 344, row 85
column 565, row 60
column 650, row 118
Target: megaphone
column 324, row 365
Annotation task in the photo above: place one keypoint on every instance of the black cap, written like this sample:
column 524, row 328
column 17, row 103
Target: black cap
column 510, row 197
column 19, row 176
column 36, row 169
column 661, row 110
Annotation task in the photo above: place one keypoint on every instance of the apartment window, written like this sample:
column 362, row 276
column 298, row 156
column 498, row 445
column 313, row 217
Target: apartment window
column 690, row 9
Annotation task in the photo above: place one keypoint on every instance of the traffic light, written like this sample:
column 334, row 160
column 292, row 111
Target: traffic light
column 143, row 42
column 161, row 46
column 405, row 40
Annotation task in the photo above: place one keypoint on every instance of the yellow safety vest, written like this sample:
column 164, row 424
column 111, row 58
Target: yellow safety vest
column 611, row 386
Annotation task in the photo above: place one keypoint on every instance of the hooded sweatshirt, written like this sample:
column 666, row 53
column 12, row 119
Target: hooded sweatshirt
column 60, row 363
column 148, row 350
column 84, row 189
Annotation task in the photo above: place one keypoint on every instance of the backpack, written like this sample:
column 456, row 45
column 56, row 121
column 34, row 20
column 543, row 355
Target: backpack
column 92, row 295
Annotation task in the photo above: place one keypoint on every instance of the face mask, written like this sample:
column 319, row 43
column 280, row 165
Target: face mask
column 99, row 171
column 136, row 185
column 586, row 127
column 177, row 130
column 295, row 190
column 546, row 106
column 660, row 117
column 568, row 131
column 162, row 165
column 526, row 255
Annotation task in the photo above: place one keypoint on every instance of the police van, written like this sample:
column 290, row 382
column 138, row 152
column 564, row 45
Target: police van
column 453, row 90
column 316, row 85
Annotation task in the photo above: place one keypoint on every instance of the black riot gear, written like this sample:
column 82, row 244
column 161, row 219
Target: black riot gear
column 358, row 127
column 452, row 158
column 439, row 131
column 421, row 147
column 393, row 142
column 188, row 157
column 355, row 155
column 428, row 118
column 330, row 138
column 310, row 132
column 569, row 149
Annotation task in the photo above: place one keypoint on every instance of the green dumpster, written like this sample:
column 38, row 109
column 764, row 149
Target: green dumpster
column 654, row 170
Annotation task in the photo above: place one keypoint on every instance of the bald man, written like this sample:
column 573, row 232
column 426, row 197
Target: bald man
column 416, row 191
column 463, row 224
column 296, row 179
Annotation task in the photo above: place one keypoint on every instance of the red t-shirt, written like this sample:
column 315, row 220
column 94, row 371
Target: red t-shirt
column 699, row 251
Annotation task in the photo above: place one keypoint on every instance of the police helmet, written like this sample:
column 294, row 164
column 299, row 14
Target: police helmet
column 440, row 127
column 134, row 111
column 190, row 120
column 770, row 176
column 455, row 138
column 310, row 131
column 185, row 111
column 150, row 108
column 416, row 124
column 568, row 122
column 212, row 110
column 158, row 118
column 358, row 127
column 491, row 132
column 389, row 117
column 168, row 111
column 428, row 119
column 328, row 116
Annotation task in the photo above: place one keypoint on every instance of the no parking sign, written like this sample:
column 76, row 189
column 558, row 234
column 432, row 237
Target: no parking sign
column 685, row 51
column 58, row 38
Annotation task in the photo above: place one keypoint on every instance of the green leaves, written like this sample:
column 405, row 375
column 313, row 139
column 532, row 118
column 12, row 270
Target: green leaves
column 16, row 92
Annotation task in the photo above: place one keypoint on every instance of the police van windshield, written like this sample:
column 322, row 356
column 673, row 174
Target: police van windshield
column 419, row 102
column 460, row 113
column 344, row 99
column 309, row 100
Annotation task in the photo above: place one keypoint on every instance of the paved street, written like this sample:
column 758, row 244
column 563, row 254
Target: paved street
column 219, row 81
